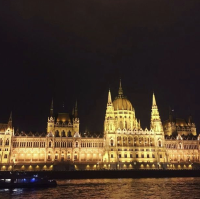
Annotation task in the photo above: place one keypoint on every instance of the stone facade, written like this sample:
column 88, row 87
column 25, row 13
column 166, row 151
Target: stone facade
column 125, row 145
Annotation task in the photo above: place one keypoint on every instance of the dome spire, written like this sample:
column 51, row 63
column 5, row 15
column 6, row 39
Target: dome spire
column 120, row 92
column 154, row 100
column 109, row 98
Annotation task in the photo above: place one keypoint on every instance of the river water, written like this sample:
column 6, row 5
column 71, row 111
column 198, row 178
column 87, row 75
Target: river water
column 113, row 188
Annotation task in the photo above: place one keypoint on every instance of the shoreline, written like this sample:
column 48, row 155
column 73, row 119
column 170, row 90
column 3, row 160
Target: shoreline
column 111, row 174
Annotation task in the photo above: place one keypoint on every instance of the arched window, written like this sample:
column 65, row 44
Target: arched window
column 69, row 134
column 121, row 125
column 159, row 143
column 76, row 144
column 63, row 134
column 7, row 142
column 5, row 156
column 111, row 143
column 126, row 125
column 50, row 144
column 57, row 133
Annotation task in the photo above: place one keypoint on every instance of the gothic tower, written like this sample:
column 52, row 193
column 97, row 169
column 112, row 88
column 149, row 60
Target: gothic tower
column 109, row 124
column 51, row 119
column 156, row 123
column 76, row 119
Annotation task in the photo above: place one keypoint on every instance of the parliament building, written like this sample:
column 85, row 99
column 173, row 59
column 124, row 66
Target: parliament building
column 173, row 144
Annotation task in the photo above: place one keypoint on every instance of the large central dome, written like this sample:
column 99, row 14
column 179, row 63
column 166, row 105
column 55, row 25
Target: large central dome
column 121, row 103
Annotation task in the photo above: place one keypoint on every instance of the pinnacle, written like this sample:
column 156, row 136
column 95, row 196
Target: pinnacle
column 120, row 92
column 109, row 97
column 154, row 100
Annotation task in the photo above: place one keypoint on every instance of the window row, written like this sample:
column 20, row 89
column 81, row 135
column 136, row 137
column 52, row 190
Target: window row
column 137, row 156
column 6, row 142
column 28, row 144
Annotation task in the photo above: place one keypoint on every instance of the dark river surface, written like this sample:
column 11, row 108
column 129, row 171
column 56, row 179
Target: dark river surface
column 113, row 188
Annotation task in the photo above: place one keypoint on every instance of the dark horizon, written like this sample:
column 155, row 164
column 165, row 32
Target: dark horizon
column 77, row 50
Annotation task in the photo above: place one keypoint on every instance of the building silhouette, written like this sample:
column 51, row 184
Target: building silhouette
column 124, row 145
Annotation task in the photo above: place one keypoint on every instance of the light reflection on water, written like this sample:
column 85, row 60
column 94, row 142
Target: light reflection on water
column 113, row 188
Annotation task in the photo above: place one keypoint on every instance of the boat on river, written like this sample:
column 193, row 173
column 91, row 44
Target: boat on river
column 25, row 181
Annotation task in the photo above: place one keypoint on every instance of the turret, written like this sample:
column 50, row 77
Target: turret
column 51, row 109
column 76, row 110
column 50, row 123
column 10, row 121
column 190, row 119
column 76, row 119
column 109, row 117
column 170, row 115
column 156, row 123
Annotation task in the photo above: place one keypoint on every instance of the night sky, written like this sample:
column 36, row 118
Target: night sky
column 78, row 49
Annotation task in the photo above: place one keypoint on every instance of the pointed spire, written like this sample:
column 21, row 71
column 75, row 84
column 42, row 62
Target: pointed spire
column 109, row 98
column 190, row 119
column 154, row 100
column 170, row 114
column 10, row 120
column 76, row 110
column 120, row 92
column 51, row 109
column 156, row 123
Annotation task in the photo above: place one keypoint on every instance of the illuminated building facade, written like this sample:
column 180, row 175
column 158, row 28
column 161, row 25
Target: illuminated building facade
column 125, row 145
